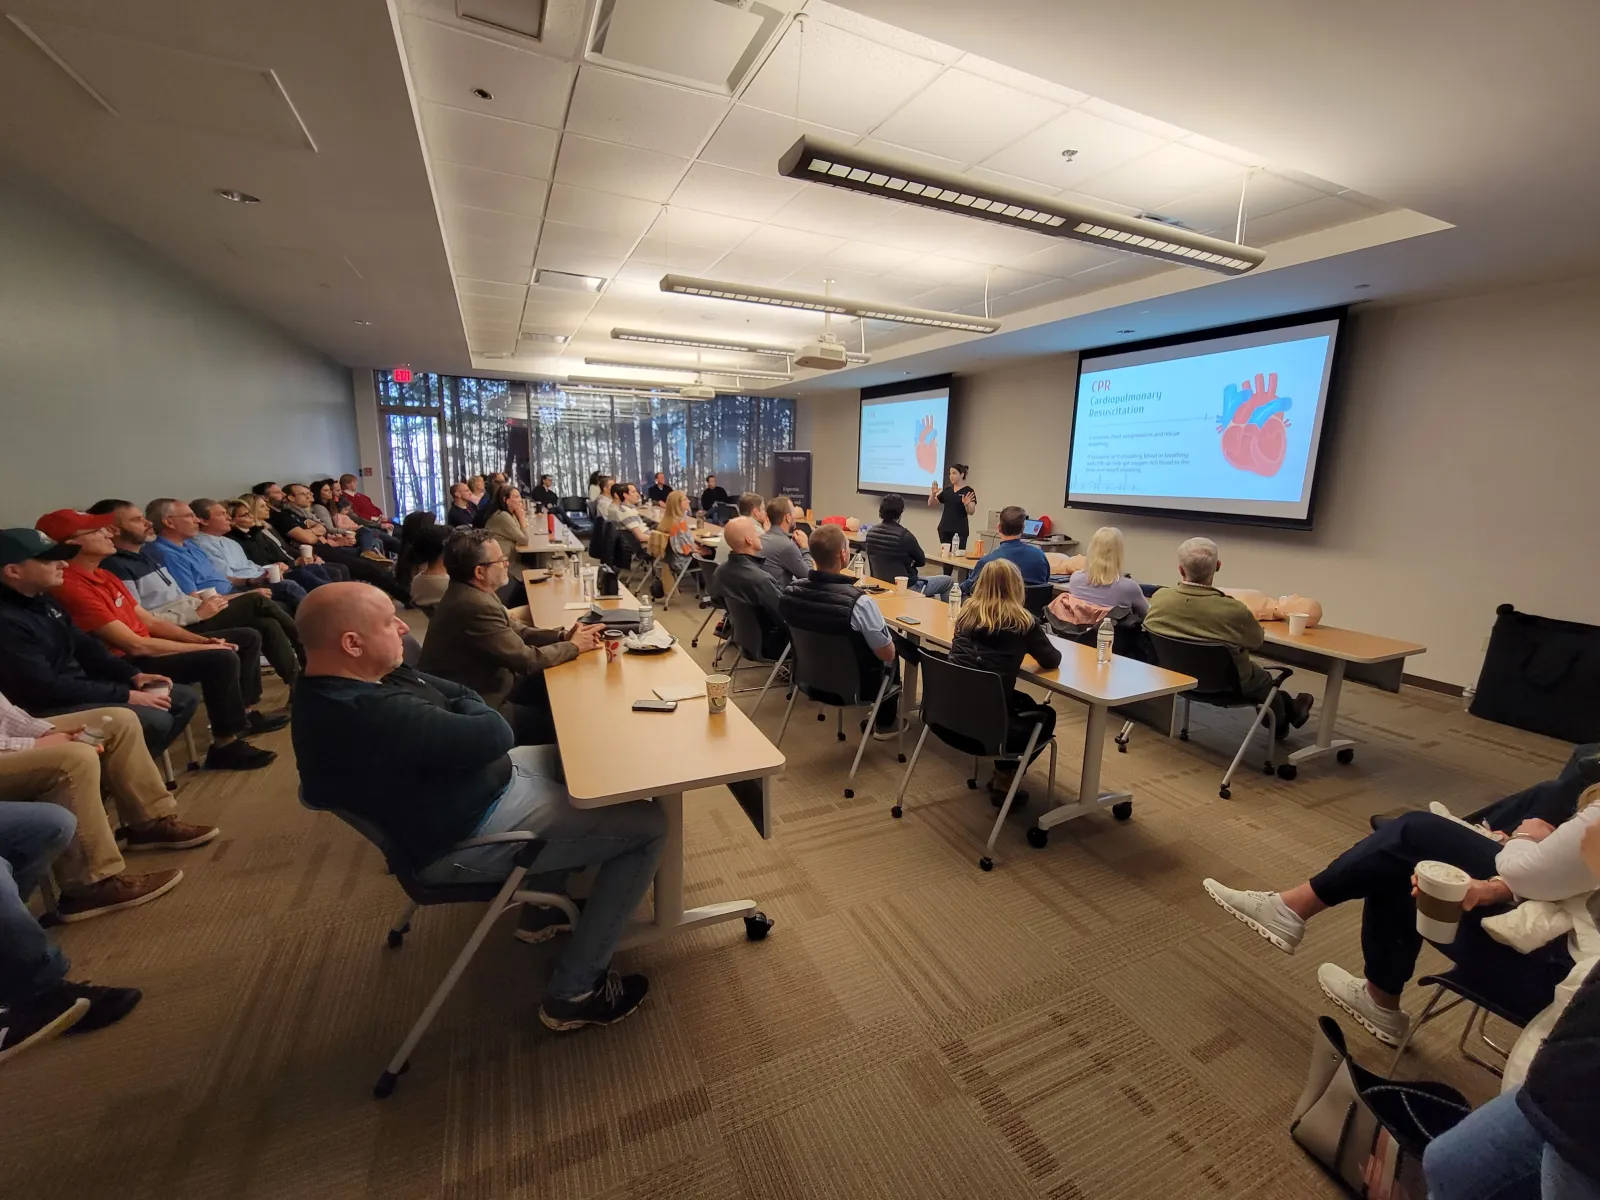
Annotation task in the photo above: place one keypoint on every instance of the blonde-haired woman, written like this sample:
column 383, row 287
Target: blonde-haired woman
column 674, row 524
column 1101, row 581
column 995, row 632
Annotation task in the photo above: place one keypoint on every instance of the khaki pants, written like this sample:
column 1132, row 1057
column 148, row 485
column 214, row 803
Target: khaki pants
column 71, row 776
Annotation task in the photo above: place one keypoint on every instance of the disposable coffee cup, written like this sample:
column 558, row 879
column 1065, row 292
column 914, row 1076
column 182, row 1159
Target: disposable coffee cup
column 902, row 583
column 1297, row 623
column 307, row 553
column 206, row 593
column 1440, row 890
column 274, row 572
column 613, row 638
column 157, row 689
column 717, row 692
column 944, row 547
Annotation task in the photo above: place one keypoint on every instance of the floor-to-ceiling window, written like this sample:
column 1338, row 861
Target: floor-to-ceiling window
column 441, row 428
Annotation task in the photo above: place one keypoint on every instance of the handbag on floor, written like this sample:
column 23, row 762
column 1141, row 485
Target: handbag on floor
column 1369, row 1131
column 1542, row 675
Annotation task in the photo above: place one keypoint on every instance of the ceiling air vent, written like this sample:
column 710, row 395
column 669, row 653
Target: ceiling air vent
column 522, row 17
column 709, row 45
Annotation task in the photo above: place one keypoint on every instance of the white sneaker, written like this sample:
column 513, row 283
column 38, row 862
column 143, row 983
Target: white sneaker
column 1264, row 912
column 1349, row 992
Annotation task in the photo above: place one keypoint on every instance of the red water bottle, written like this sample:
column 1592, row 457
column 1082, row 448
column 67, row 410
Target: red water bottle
column 551, row 517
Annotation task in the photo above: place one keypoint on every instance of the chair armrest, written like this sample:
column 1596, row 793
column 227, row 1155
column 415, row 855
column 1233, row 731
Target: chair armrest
column 1279, row 674
column 531, row 843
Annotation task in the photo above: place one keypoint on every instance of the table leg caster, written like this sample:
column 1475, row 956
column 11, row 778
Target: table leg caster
column 849, row 793
column 1122, row 811
column 1347, row 755
column 757, row 926
column 386, row 1081
column 1287, row 770
column 1038, row 838
column 986, row 863
column 1224, row 791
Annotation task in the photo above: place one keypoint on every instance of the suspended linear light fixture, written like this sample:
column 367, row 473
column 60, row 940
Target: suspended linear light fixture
column 874, row 310
column 816, row 160
column 780, row 376
column 672, row 339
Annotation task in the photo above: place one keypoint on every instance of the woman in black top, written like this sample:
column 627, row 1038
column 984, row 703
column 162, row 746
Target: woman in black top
column 265, row 548
column 959, row 502
column 713, row 495
column 995, row 633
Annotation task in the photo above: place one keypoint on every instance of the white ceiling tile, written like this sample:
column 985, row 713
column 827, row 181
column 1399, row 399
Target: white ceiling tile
column 1303, row 219
column 1014, row 183
column 888, row 289
column 480, row 248
column 659, row 257
column 1010, row 77
column 709, row 231
column 492, row 143
column 1100, row 144
column 555, row 304
column 768, row 270
column 478, row 259
column 820, row 209
column 1003, row 281
column 1244, row 158
column 648, row 274
column 911, row 227
column 1217, row 208
column 965, row 118
column 936, row 269
column 625, row 170
column 778, row 240
column 582, row 251
column 448, row 62
column 987, row 242
column 466, row 286
column 605, row 211
column 1064, row 258
column 867, row 257
column 910, row 155
column 753, row 140
column 882, row 32
column 1134, row 120
column 714, row 189
column 474, row 187
column 642, row 112
column 497, row 226
column 844, row 81
column 1123, row 268
column 948, row 298
column 1047, row 292
column 1162, row 176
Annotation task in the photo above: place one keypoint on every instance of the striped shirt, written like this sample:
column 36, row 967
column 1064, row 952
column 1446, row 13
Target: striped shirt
column 19, row 731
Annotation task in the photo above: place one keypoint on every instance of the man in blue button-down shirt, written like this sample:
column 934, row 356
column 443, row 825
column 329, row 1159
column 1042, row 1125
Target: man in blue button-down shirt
column 174, row 547
column 228, row 558
column 1028, row 558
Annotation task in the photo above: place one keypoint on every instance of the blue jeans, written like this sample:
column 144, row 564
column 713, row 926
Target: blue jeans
column 935, row 587
column 288, row 593
column 624, row 840
column 31, row 835
column 1495, row 1154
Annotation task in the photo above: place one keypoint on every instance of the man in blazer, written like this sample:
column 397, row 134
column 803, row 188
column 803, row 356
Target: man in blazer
column 474, row 641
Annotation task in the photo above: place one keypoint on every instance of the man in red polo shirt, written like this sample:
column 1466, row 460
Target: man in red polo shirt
column 227, row 669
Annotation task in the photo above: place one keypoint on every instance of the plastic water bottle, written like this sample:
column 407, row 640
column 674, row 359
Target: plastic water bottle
column 955, row 605
column 955, row 544
column 647, row 612
column 1103, row 640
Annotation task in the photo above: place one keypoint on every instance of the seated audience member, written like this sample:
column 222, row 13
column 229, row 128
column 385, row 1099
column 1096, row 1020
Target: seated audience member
column 442, row 769
column 49, row 665
column 487, row 487
column 1533, row 861
column 754, row 506
column 995, row 632
column 743, row 577
column 37, row 1000
column 299, row 528
column 474, row 641
column 605, row 506
column 827, row 601
column 405, row 563
column 682, row 549
column 1102, row 582
column 544, row 493
column 1025, row 556
column 477, row 488
column 225, row 667
column 229, row 560
column 175, row 548
column 595, row 490
column 429, row 578
column 462, row 509
column 364, row 512
column 625, row 506
column 333, row 511
column 152, row 585
column 659, row 490
column 784, row 548
column 250, row 517
column 893, row 550
column 42, row 760
column 1194, row 609
column 504, row 517
column 713, row 495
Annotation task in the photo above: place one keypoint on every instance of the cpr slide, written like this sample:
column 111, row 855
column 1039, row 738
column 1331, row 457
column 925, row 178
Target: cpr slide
column 904, row 438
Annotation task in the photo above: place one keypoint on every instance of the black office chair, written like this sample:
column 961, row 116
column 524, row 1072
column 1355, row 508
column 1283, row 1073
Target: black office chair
column 1036, row 598
column 1127, row 640
column 707, row 569
column 1212, row 664
column 969, row 710
column 499, row 896
column 575, row 512
column 1474, row 990
column 600, row 540
column 825, row 670
column 748, row 634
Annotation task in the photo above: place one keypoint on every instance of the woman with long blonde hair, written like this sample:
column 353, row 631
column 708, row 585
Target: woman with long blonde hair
column 1101, row 581
column 674, row 523
column 995, row 632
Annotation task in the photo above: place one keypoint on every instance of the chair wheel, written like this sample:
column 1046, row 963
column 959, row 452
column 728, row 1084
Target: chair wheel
column 986, row 863
column 1266, row 768
column 900, row 757
column 896, row 812
column 849, row 793
column 972, row 784
column 822, row 716
column 1224, row 792
column 1183, row 735
column 384, row 1086
column 194, row 766
column 1122, row 746
column 1038, row 838
column 841, row 737
column 757, row 925
column 1347, row 755
column 396, row 938
column 1122, row 811
column 1287, row 770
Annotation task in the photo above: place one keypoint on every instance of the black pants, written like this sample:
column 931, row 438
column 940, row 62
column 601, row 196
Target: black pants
column 527, row 711
column 1025, row 714
column 364, row 570
column 1255, row 689
column 1377, row 870
column 230, row 681
column 1554, row 800
column 278, row 639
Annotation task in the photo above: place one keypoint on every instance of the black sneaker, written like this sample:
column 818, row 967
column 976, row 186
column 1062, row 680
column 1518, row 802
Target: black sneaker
column 38, row 1019
column 538, row 923
column 614, row 997
column 1300, row 709
column 107, row 1005
column 237, row 755
column 260, row 722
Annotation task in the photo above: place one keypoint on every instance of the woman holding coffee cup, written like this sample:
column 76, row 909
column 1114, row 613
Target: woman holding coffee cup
column 1420, row 875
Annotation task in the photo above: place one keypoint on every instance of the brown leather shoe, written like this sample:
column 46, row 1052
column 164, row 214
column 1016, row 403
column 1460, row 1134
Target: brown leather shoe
column 167, row 833
column 118, row 892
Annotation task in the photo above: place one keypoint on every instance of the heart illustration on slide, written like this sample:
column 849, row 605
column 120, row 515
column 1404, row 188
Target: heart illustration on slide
column 1255, row 437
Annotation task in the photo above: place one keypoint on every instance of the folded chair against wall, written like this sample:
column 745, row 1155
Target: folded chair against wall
column 498, row 896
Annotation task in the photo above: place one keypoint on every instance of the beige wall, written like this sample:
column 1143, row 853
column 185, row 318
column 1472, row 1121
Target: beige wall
column 120, row 377
column 1464, row 472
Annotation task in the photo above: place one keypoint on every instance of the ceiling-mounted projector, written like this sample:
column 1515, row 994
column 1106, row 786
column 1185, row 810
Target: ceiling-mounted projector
column 697, row 391
column 824, row 354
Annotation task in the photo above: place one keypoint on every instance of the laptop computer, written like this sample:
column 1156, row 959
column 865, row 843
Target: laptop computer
column 1030, row 529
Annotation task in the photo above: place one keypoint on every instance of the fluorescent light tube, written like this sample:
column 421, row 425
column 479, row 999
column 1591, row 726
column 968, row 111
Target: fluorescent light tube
column 672, row 339
column 715, row 289
column 691, row 369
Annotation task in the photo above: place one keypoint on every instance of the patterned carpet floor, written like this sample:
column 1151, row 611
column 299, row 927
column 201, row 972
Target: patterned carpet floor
column 1080, row 1024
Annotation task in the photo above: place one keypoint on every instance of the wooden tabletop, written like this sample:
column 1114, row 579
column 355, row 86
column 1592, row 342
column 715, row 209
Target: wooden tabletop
column 1333, row 642
column 1121, row 681
column 548, row 598
column 543, row 543
column 611, row 753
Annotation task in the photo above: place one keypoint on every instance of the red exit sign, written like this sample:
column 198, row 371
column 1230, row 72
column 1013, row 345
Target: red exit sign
column 401, row 374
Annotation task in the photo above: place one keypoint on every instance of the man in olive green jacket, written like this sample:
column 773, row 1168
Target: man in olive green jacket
column 474, row 641
column 1195, row 609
